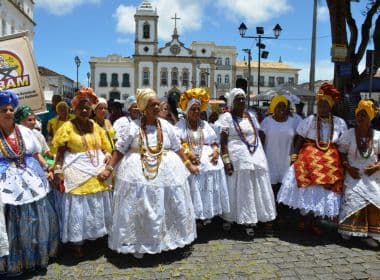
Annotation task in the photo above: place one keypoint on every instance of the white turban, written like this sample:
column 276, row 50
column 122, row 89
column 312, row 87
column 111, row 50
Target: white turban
column 129, row 102
column 232, row 94
column 190, row 103
column 142, row 97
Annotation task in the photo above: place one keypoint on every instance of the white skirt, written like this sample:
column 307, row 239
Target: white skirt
column 151, row 219
column 209, row 194
column 315, row 199
column 84, row 217
column 251, row 197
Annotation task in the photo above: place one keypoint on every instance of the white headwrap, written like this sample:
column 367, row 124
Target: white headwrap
column 129, row 102
column 101, row 100
column 232, row 94
column 142, row 97
column 190, row 103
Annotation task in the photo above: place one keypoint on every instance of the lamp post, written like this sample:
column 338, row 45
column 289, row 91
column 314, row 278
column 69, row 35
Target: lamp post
column 259, row 31
column 77, row 63
column 88, row 79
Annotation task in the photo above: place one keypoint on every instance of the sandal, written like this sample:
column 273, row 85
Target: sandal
column 77, row 251
column 250, row 231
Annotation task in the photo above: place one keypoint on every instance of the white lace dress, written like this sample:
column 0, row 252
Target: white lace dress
column 209, row 188
column 315, row 199
column 278, row 146
column 359, row 193
column 151, row 216
column 249, row 188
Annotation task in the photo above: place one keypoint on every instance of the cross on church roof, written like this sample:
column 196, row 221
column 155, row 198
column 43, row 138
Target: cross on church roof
column 175, row 20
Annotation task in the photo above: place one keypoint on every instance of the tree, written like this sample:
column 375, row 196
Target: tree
column 342, row 25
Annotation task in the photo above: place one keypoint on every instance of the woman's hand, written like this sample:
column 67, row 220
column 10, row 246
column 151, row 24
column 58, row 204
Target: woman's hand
column 194, row 159
column 194, row 169
column 228, row 167
column 371, row 169
column 353, row 171
column 107, row 158
column 102, row 176
column 214, row 157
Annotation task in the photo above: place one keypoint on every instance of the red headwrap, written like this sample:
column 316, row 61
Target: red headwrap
column 84, row 93
column 329, row 93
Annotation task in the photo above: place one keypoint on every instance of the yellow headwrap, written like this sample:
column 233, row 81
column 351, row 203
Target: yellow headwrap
column 200, row 95
column 61, row 104
column 142, row 97
column 275, row 100
column 368, row 106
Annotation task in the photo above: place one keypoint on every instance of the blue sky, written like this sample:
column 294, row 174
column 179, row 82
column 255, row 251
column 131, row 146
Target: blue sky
column 66, row 28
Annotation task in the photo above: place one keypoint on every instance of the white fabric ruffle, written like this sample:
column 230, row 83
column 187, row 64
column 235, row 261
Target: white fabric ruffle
column 316, row 199
column 84, row 217
column 251, row 197
column 151, row 219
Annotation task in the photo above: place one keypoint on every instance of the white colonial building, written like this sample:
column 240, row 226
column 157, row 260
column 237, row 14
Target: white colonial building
column 17, row 16
column 173, row 68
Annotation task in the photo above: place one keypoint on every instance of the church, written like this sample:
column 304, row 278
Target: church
column 173, row 68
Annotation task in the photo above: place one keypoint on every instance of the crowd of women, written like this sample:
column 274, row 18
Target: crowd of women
column 149, row 181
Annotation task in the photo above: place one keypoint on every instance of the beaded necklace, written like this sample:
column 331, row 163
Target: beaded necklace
column 17, row 153
column 150, row 157
column 92, row 154
column 251, row 147
column 364, row 145
column 331, row 132
column 195, row 143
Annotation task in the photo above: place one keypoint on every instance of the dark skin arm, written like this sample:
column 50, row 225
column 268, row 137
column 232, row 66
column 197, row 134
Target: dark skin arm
column 224, row 148
column 298, row 143
column 353, row 171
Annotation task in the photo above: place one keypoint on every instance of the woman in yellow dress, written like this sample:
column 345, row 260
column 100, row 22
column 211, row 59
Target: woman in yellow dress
column 100, row 110
column 55, row 123
column 85, row 202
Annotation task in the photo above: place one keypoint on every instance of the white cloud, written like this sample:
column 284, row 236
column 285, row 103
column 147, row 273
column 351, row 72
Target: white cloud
column 323, row 14
column 253, row 11
column 62, row 7
column 324, row 70
column 189, row 12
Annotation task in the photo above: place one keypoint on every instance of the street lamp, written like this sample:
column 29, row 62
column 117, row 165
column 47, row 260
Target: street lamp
column 77, row 63
column 259, row 31
column 88, row 79
column 248, row 51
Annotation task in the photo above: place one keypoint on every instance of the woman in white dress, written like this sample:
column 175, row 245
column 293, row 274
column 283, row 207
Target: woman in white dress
column 30, row 219
column 209, row 187
column 277, row 134
column 249, row 188
column 152, row 209
column 313, row 184
column 360, row 147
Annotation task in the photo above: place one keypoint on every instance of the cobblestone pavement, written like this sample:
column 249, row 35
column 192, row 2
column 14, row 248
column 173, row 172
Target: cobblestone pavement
column 220, row 255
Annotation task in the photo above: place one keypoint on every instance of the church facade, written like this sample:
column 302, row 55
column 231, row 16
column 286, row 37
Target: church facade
column 173, row 68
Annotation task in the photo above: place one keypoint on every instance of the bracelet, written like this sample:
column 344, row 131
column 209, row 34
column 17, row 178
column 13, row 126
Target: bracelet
column 226, row 159
column 109, row 167
column 58, row 169
column 293, row 157
column 187, row 163
column 187, row 152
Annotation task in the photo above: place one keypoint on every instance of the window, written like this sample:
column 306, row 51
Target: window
column 219, row 61
column 262, row 81
column 174, row 76
column 164, row 77
column 291, row 81
column 103, row 80
column 3, row 27
column 251, row 81
column 126, row 82
column 185, row 78
column 219, row 79
column 146, row 30
column 271, row 81
column 226, row 79
column 227, row 61
column 280, row 80
column 203, row 79
column 146, row 77
column 114, row 80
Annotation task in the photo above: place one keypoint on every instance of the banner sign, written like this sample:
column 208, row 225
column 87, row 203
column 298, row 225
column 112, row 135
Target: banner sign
column 18, row 71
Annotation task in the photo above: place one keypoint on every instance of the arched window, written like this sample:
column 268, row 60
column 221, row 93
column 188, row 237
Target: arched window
column 114, row 80
column 226, row 79
column 103, row 80
column 146, row 75
column 146, row 30
column 164, row 77
column 174, row 76
column 126, row 82
column 227, row 61
column 203, row 82
column 219, row 79
column 185, row 77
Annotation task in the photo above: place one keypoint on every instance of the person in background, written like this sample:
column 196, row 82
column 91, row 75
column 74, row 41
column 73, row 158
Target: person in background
column 116, row 111
column 299, row 109
column 249, row 188
column 30, row 218
column 63, row 115
column 99, row 116
column 133, row 114
column 25, row 116
column 209, row 187
column 165, row 112
column 278, row 132
column 51, row 113
column 152, row 208
column 85, row 201
column 360, row 150
column 314, row 183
